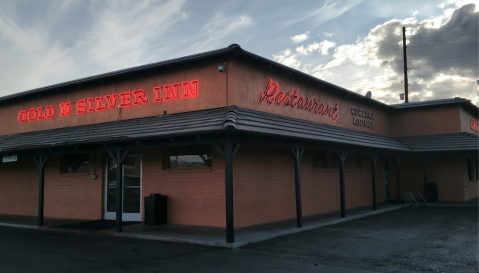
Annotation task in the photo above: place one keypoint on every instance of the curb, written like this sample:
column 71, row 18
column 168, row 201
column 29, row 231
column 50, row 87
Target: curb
column 452, row 205
column 259, row 238
column 238, row 244
column 314, row 226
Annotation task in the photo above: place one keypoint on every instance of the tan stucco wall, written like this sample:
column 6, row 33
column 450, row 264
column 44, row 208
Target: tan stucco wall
column 212, row 94
column 426, row 121
column 247, row 82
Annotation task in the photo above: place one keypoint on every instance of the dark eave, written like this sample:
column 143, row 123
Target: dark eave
column 201, row 122
column 465, row 103
column 442, row 143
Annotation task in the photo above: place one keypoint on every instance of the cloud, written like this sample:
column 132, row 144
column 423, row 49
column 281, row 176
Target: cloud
column 219, row 27
column 328, row 34
column 109, row 35
column 285, row 57
column 300, row 37
column 329, row 11
column 456, row 4
column 322, row 47
column 442, row 58
column 59, row 41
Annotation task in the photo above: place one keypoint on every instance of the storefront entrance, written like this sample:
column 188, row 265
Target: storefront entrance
column 132, row 205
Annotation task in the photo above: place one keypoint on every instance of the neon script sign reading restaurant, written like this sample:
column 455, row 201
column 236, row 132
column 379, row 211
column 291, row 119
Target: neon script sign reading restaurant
column 272, row 94
column 166, row 93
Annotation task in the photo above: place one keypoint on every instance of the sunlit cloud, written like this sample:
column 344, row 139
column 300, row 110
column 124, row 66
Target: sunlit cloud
column 375, row 62
column 300, row 37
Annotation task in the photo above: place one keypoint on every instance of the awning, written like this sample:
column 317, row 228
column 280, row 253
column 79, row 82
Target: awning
column 442, row 143
column 209, row 121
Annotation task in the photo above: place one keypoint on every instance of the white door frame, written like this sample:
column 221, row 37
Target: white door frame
column 127, row 217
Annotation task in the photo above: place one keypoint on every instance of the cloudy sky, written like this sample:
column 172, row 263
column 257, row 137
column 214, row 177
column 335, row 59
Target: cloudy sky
column 355, row 44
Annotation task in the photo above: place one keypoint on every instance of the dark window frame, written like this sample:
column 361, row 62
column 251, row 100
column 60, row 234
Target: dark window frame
column 477, row 169
column 330, row 161
column 199, row 150
column 72, row 164
column 472, row 169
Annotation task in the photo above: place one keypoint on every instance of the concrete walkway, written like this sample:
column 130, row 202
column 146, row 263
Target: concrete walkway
column 209, row 236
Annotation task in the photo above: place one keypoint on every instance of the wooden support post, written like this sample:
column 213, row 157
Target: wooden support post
column 424, row 173
column 41, row 162
column 342, row 158
column 297, row 154
column 398, row 178
column 228, row 154
column 230, row 235
column 374, row 160
column 119, row 156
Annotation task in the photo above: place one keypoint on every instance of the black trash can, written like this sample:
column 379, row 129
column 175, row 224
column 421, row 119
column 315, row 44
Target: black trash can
column 155, row 209
column 432, row 192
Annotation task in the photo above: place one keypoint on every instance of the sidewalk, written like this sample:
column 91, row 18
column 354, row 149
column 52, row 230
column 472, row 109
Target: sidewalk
column 210, row 236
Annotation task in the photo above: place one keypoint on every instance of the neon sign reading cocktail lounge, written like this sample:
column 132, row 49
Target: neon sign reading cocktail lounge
column 166, row 93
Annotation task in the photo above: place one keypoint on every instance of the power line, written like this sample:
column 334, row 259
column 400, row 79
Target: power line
column 387, row 87
column 359, row 71
column 399, row 32
column 372, row 76
column 370, row 83
column 441, row 66
column 414, row 37
column 446, row 57
column 355, row 60
column 432, row 75
column 446, row 27
column 447, row 83
column 444, row 44
column 349, row 54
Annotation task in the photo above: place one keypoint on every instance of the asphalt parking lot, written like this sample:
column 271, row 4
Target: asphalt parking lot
column 409, row 240
column 426, row 239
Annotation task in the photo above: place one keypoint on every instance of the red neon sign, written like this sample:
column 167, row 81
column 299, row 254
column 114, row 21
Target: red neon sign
column 171, row 92
column 39, row 113
column 272, row 94
column 474, row 126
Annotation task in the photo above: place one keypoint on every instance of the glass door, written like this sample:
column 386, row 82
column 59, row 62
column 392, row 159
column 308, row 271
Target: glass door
column 131, row 189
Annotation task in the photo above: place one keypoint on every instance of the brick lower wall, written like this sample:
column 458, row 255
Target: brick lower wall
column 449, row 174
column 264, row 186
column 19, row 188
column 74, row 196
column 195, row 196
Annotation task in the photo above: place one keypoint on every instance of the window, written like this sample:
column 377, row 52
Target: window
column 187, row 157
column 329, row 160
column 74, row 163
column 352, row 162
column 472, row 168
column 320, row 160
column 477, row 169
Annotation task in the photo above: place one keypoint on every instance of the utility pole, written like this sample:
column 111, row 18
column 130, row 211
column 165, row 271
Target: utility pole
column 406, row 97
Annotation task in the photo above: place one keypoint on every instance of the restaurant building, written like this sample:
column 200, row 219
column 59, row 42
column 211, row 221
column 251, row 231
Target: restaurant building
column 232, row 139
